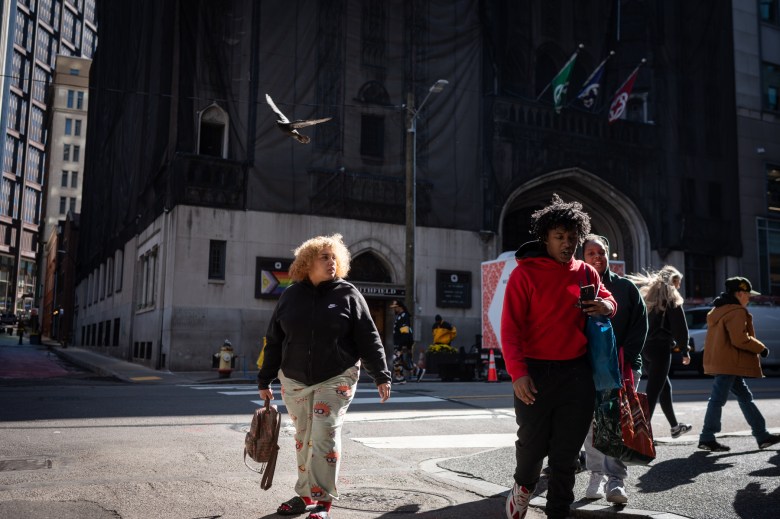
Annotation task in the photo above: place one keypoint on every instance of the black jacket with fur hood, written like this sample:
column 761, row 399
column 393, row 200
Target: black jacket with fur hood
column 318, row 332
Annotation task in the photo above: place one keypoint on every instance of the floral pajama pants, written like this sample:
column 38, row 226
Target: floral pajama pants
column 318, row 414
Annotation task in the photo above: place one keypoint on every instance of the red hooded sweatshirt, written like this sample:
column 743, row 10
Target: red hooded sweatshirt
column 540, row 319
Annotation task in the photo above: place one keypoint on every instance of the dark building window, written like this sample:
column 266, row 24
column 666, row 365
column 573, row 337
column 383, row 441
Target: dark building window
column 217, row 249
column 715, row 199
column 372, row 136
column 770, row 85
column 211, row 139
column 699, row 276
column 116, row 331
column 768, row 10
column 211, row 136
column 773, row 188
column 374, row 32
column 368, row 267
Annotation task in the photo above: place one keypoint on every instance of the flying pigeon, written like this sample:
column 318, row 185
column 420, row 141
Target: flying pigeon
column 291, row 127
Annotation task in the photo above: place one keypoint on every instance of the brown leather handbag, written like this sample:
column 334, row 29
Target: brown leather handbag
column 261, row 443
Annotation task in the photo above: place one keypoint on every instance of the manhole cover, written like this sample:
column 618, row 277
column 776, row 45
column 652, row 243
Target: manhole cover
column 384, row 500
column 25, row 464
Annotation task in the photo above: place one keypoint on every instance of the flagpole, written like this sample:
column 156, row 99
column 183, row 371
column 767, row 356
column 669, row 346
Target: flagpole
column 579, row 48
column 611, row 53
column 629, row 76
column 592, row 74
column 609, row 101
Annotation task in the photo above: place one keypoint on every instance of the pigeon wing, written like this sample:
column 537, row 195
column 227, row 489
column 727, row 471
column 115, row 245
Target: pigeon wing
column 308, row 122
column 283, row 118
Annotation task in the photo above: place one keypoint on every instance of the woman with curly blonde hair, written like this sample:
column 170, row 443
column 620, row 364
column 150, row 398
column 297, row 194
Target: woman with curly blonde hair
column 319, row 335
column 667, row 330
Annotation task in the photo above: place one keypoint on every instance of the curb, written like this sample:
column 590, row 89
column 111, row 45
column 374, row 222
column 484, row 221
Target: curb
column 585, row 510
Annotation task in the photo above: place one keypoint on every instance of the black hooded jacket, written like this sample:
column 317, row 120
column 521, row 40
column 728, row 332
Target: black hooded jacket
column 318, row 332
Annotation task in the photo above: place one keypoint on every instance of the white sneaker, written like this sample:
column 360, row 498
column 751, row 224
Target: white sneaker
column 680, row 429
column 616, row 491
column 517, row 502
column 596, row 486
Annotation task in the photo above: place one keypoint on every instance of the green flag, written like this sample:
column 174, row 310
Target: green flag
column 560, row 83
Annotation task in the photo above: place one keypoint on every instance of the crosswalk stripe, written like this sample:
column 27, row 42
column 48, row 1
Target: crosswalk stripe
column 437, row 441
column 371, row 400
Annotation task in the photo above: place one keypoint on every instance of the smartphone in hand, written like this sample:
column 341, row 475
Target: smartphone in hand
column 587, row 293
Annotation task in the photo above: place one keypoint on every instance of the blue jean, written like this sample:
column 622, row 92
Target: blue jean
column 720, row 393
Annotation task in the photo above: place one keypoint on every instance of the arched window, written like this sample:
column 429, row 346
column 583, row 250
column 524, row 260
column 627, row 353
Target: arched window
column 212, row 132
column 367, row 266
column 374, row 92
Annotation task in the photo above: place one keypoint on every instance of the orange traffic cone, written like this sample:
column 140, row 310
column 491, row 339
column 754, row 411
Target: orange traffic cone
column 492, row 375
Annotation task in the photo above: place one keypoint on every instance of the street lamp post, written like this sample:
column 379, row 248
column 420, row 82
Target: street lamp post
column 411, row 187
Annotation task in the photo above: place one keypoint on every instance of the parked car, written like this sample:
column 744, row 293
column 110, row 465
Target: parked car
column 766, row 322
column 696, row 318
column 7, row 319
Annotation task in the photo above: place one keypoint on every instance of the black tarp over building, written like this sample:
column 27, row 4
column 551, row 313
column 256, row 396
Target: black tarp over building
column 160, row 65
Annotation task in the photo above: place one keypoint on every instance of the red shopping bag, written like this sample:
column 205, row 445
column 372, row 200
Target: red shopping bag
column 621, row 427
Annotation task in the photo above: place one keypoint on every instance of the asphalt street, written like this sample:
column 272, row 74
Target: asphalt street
column 459, row 482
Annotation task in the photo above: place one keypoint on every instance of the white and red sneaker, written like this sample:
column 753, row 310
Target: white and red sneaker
column 517, row 502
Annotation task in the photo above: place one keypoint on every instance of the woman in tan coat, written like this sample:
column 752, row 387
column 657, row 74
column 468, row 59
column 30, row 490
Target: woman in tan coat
column 731, row 353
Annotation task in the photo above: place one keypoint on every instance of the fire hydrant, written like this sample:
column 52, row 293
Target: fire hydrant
column 225, row 357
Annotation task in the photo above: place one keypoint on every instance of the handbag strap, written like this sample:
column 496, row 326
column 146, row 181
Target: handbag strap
column 626, row 371
column 267, row 469
column 268, row 476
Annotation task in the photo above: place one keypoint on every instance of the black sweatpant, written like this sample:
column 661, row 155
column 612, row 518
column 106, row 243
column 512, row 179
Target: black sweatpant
column 554, row 426
column 657, row 361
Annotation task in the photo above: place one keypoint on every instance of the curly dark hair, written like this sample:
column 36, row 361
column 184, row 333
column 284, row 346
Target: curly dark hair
column 568, row 215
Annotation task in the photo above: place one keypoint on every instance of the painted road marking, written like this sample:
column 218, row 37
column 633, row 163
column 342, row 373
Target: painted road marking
column 141, row 379
column 448, row 441
column 358, row 401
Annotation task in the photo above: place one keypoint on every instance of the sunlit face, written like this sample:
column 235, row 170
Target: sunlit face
column 324, row 267
column 596, row 256
column 562, row 243
column 743, row 297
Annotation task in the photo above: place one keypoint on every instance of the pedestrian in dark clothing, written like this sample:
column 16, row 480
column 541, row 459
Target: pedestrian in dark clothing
column 608, row 474
column 667, row 329
column 403, row 340
column 544, row 348
column 320, row 335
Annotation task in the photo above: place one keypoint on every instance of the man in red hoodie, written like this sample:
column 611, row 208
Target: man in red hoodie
column 544, row 347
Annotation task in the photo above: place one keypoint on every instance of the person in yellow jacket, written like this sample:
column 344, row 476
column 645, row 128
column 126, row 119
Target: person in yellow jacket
column 443, row 332
column 731, row 353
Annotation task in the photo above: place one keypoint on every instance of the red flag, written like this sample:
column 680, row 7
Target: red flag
column 620, row 101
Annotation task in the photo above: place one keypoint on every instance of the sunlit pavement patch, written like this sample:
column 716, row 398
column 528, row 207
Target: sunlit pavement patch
column 391, row 500
column 448, row 441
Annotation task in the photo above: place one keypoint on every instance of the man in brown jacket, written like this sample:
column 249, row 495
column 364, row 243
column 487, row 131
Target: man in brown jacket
column 731, row 353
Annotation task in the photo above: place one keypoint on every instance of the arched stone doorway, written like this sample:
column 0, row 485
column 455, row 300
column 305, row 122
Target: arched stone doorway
column 374, row 276
column 612, row 213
